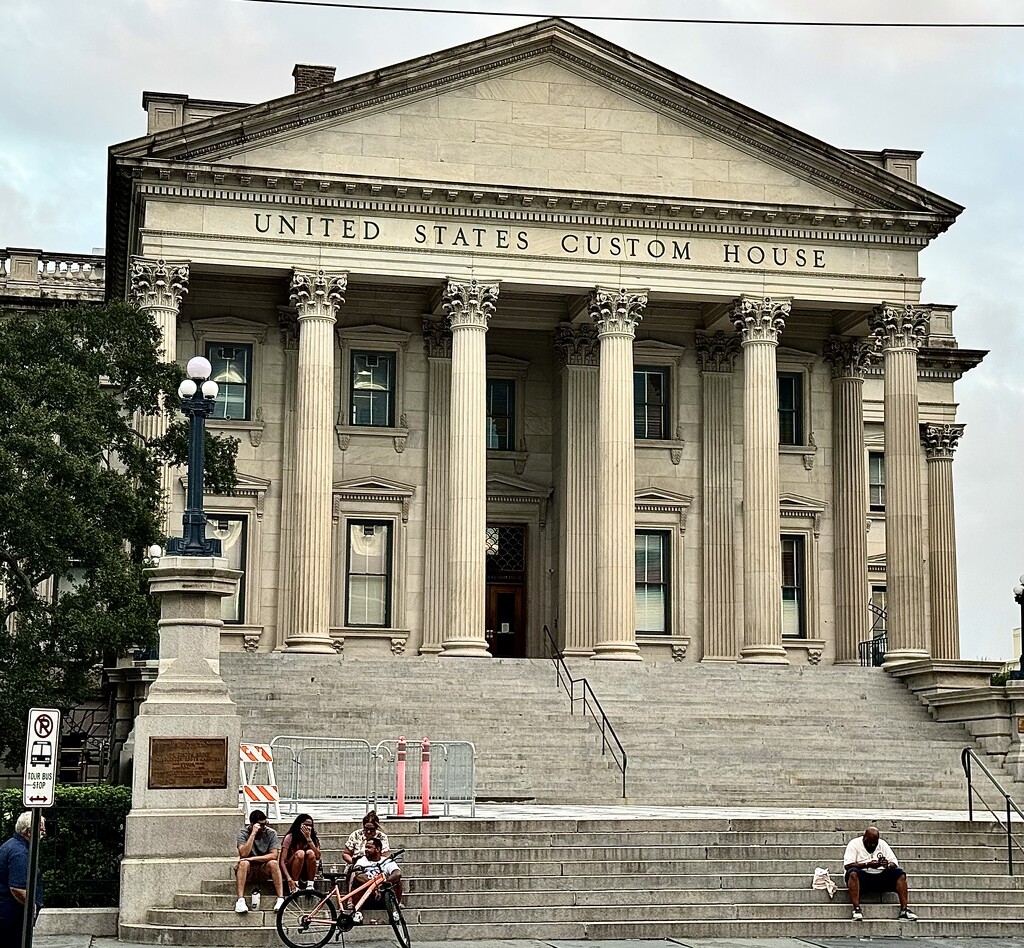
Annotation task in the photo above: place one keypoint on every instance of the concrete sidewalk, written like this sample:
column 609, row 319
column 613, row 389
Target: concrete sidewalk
column 87, row 941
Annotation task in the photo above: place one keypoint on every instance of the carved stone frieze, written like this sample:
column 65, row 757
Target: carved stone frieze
column 850, row 357
column 158, row 284
column 616, row 312
column 716, row 352
column 469, row 304
column 317, row 293
column 437, row 338
column 940, row 441
column 760, row 319
column 576, row 344
column 898, row 327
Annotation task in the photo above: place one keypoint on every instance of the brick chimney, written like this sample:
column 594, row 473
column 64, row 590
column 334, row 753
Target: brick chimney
column 312, row 77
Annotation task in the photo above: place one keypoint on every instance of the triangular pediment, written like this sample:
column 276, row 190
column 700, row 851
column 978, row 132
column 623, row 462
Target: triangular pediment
column 500, row 487
column 547, row 106
column 651, row 497
column 796, row 505
column 372, row 488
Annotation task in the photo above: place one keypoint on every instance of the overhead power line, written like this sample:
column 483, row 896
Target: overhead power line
column 690, row 21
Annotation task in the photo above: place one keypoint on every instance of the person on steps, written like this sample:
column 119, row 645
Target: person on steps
column 356, row 843
column 300, row 853
column 373, row 863
column 258, row 849
column 871, row 866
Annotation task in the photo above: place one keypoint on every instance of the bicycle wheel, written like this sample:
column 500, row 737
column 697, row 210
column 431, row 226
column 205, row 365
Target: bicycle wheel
column 397, row 919
column 301, row 924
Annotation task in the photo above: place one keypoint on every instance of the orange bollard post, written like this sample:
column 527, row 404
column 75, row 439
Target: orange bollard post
column 425, row 776
column 400, row 777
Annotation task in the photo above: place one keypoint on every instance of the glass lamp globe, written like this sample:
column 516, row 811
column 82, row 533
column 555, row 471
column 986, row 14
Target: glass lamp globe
column 210, row 389
column 156, row 551
column 187, row 388
column 1018, row 589
column 199, row 368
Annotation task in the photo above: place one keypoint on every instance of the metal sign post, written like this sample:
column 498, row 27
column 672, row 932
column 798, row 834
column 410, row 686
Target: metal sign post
column 42, row 742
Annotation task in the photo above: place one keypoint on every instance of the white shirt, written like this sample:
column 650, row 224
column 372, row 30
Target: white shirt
column 369, row 868
column 857, row 855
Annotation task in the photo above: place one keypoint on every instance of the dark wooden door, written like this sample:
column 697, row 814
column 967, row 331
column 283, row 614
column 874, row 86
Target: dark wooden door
column 506, row 625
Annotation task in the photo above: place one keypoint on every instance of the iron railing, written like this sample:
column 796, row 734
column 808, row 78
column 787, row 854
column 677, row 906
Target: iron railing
column 610, row 742
column 872, row 651
column 966, row 757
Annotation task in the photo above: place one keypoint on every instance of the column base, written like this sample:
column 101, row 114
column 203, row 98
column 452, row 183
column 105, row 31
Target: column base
column 577, row 653
column 316, row 644
column 617, row 652
column 764, row 655
column 466, row 648
column 895, row 658
column 719, row 659
column 431, row 649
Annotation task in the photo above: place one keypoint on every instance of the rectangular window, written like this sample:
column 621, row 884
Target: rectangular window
column 232, row 371
column 501, row 415
column 876, row 481
column 650, row 403
column 368, row 574
column 373, row 390
column 794, row 601
column 652, row 587
column 791, row 408
column 878, row 613
column 233, row 532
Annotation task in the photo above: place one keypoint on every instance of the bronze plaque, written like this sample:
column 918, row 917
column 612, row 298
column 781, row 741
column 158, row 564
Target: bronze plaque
column 188, row 763
column 1020, row 725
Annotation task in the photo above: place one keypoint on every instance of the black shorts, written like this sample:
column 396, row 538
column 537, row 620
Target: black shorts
column 884, row 881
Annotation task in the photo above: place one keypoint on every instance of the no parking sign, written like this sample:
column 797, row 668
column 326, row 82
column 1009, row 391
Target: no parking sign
column 41, row 756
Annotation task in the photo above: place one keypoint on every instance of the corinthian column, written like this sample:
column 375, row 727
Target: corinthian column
column 438, row 341
column 316, row 297
column 576, row 349
column 469, row 307
column 900, row 330
column 848, row 359
column 760, row 323
column 157, row 288
column 716, row 356
column 616, row 313
column 940, row 442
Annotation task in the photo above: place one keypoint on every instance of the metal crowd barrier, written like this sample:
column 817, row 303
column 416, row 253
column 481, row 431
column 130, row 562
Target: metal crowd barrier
column 334, row 771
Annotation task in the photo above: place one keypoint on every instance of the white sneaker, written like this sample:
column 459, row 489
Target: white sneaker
column 241, row 906
column 357, row 918
column 278, row 903
column 309, row 884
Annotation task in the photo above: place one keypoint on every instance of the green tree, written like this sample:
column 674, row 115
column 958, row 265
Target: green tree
column 80, row 497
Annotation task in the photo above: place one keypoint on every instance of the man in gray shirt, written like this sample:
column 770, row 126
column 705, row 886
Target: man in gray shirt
column 258, row 850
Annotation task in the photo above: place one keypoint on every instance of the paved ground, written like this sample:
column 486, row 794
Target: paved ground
column 85, row 941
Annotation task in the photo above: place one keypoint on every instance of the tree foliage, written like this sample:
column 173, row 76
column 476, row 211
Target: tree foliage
column 80, row 497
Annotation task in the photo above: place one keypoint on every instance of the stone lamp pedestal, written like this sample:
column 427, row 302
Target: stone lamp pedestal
column 185, row 779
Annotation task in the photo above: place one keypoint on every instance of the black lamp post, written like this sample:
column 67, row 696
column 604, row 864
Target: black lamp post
column 1018, row 597
column 197, row 394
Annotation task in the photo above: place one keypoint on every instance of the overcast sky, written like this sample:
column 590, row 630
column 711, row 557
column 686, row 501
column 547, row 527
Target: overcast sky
column 73, row 73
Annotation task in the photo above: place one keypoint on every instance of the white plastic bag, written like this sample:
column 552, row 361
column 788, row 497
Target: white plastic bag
column 822, row 880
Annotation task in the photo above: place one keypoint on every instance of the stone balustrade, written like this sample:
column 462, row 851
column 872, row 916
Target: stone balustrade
column 38, row 273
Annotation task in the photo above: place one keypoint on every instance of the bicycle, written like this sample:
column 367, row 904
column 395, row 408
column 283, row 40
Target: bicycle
column 308, row 919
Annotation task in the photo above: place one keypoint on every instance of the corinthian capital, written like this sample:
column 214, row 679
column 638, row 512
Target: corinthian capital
column 616, row 312
column 898, row 327
column 717, row 352
column 940, row 441
column 469, row 304
column 317, row 293
column 849, row 357
column 437, row 338
column 158, row 284
column 760, row 320
column 576, row 345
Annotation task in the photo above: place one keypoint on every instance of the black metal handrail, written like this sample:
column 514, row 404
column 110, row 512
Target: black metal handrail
column 966, row 757
column 609, row 739
column 871, row 652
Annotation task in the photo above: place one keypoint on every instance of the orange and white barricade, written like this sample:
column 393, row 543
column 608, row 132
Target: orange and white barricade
column 257, row 780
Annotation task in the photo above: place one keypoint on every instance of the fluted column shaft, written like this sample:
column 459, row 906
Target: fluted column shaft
column 616, row 313
column 438, row 341
column 316, row 297
column 848, row 359
column 716, row 355
column 760, row 322
column 157, row 288
column 469, row 307
column 286, row 554
column 576, row 347
column 940, row 442
column 900, row 330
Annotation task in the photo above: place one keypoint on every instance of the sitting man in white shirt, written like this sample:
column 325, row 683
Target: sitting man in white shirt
column 373, row 863
column 871, row 866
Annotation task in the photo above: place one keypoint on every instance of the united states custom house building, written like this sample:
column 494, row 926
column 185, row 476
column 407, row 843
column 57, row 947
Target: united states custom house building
column 533, row 331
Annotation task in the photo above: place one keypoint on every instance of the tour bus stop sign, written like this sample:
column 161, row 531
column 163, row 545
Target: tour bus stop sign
column 41, row 756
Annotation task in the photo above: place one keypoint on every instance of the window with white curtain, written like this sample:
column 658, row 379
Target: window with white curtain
column 368, row 574
column 876, row 481
column 652, row 584
column 233, row 532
